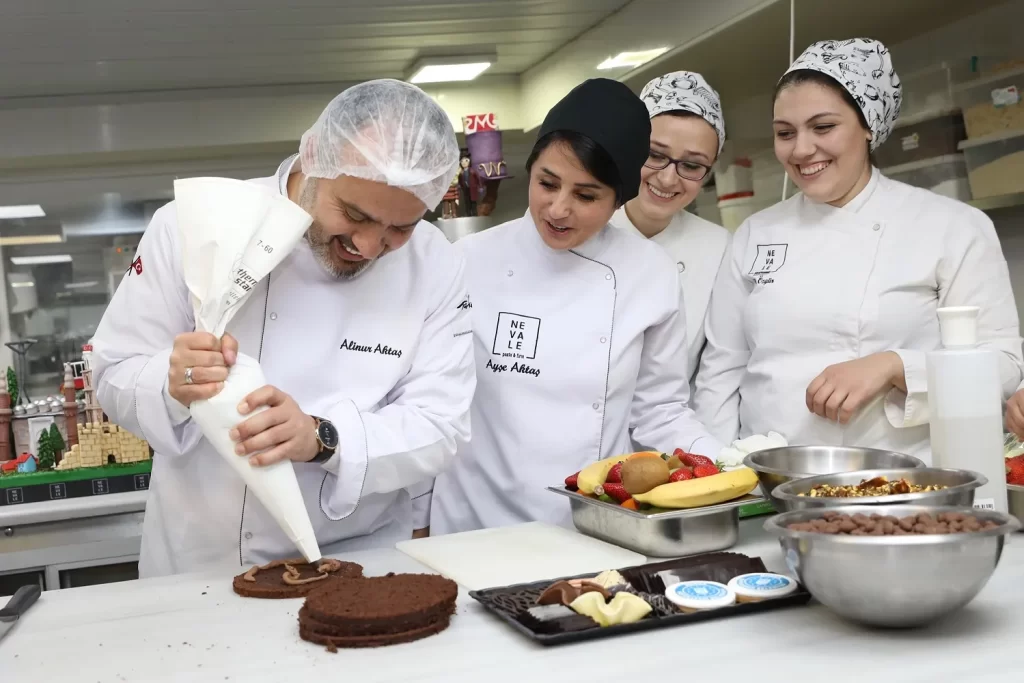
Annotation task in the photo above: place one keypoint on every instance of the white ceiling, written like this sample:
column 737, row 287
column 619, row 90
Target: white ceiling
column 72, row 47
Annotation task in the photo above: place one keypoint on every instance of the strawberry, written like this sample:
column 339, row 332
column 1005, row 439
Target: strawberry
column 614, row 474
column 615, row 491
column 691, row 460
column 679, row 453
column 1015, row 471
column 571, row 482
column 704, row 471
column 682, row 474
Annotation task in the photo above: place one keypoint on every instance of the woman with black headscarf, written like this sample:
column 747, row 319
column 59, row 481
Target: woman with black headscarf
column 579, row 328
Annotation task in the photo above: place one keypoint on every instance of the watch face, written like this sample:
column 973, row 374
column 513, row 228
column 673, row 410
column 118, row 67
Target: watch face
column 328, row 435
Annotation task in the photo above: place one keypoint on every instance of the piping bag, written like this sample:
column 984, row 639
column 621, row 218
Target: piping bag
column 233, row 233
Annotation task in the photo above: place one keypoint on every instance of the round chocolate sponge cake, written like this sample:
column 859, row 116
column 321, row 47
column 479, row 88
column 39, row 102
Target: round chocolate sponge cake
column 376, row 611
column 291, row 578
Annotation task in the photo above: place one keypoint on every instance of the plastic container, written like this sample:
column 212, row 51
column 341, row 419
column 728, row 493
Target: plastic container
column 992, row 103
column 965, row 405
column 995, row 165
column 945, row 175
column 930, row 90
column 925, row 137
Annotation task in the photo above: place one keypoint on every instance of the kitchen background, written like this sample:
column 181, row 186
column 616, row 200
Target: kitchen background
column 101, row 109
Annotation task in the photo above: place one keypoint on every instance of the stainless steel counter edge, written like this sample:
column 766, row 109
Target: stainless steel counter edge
column 73, row 508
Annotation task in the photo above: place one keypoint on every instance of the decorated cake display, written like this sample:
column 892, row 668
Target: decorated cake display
column 291, row 578
column 483, row 165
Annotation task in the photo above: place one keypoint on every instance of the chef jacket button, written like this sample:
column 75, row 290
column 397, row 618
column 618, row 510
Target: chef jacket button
column 876, row 227
column 597, row 406
column 510, row 273
column 273, row 316
column 604, row 339
column 681, row 266
column 608, row 276
column 248, row 535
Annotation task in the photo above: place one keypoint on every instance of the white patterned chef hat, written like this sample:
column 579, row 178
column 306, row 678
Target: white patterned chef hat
column 864, row 68
column 685, row 91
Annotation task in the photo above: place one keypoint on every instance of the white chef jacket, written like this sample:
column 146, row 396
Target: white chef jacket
column 386, row 357
column 697, row 246
column 574, row 351
column 807, row 285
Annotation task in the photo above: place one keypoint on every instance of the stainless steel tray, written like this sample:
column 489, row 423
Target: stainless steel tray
column 673, row 533
column 1015, row 500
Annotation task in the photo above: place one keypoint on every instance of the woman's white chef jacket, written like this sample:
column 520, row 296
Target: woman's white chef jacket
column 387, row 357
column 697, row 247
column 806, row 285
column 574, row 350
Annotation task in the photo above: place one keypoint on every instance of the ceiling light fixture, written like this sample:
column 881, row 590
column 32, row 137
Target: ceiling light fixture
column 631, row 60
column 449, row 69
column 23, row 211
column 81, row 285
column 40, row 260
column 25, row 240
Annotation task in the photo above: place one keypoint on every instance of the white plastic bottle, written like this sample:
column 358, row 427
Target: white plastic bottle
column 965, row 405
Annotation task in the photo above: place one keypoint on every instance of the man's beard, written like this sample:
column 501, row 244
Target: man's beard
column 320, row 241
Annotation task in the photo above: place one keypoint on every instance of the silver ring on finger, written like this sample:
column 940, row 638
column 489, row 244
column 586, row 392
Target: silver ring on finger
column 188, row 376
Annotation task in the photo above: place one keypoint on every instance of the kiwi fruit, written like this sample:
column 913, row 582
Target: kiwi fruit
column 640, row 475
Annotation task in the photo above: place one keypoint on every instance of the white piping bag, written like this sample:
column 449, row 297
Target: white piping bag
column 233, row 233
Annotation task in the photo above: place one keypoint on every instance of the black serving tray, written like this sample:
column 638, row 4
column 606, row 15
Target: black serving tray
column 509, row 603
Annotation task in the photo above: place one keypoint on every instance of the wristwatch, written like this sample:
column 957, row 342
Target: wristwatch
column 327, row 438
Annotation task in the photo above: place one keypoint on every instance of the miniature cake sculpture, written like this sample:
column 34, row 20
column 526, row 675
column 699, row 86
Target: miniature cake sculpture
column 377, row 611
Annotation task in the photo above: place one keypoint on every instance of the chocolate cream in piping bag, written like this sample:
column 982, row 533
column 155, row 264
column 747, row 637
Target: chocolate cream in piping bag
column 233, row 233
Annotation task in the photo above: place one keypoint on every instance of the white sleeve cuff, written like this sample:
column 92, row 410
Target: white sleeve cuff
column 340, row 497
column 909, row 409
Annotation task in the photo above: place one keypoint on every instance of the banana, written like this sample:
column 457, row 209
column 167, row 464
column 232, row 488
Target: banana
column 595, row 473
column 693, row 493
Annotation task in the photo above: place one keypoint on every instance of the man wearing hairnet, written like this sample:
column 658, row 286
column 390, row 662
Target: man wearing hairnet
column 363, row 333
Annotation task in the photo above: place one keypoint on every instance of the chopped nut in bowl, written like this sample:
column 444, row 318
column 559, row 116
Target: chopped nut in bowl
column 932, row 486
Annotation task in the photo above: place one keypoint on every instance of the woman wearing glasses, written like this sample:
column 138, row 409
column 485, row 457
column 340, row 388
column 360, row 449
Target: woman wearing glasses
column 687, row 135
column 579, row 334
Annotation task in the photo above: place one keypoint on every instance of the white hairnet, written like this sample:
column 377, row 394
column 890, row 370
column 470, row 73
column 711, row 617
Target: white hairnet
column 386, row 131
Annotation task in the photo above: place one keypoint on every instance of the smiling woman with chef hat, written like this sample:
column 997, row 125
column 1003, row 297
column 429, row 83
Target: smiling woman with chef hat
column 825, row 306
column 687, row 136
column 578, row 328
column 359, row 331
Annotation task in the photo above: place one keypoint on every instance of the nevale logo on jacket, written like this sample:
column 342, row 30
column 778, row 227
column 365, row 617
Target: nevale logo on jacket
column 353, row 345
column 770, row 258
column 515, row 337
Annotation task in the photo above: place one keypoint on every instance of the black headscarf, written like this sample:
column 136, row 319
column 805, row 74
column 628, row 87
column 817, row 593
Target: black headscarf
column 608, row 113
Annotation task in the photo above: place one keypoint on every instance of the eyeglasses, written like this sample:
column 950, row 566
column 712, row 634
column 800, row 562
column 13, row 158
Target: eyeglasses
column 690, row 170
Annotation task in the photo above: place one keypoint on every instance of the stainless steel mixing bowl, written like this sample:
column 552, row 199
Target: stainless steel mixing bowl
column 893, row 581
column 960, row 487
column 775, row 466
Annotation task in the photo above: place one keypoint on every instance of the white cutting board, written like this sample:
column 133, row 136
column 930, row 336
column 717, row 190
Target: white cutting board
column 516, row 554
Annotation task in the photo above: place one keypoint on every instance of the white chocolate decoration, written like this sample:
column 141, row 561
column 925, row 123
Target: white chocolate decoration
column 624, row 608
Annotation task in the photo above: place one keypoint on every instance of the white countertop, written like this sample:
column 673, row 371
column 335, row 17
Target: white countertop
column 73, row 508
column 194, row 628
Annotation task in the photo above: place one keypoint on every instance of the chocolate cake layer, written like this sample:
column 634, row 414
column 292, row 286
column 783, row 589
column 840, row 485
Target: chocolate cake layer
column 382, row 604
column 333, row 642
column 293, row 578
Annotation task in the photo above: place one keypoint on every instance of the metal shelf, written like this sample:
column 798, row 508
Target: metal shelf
column 1001, row 202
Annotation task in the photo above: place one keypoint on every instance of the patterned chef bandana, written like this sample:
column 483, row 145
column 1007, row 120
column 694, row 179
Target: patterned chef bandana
column 864, row 68
column 685, row 91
